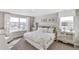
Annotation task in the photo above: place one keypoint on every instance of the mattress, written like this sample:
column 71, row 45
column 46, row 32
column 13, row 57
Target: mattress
column 40, row 40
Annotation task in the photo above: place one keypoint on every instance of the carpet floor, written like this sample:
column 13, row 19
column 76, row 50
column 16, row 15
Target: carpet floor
column 57, row 45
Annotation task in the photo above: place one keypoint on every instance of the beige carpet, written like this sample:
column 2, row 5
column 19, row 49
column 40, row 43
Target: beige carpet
column 57, row 45
column 24, row 45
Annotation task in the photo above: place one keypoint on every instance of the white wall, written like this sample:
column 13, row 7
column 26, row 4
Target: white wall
column 76, row 22
column 37, row 19
column 69, row 12
column 49, row 16
column 1, row 20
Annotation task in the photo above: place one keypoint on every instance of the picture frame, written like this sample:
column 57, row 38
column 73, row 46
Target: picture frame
column 49, row 20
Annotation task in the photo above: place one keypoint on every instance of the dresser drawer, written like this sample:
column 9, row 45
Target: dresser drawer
column 66, row 38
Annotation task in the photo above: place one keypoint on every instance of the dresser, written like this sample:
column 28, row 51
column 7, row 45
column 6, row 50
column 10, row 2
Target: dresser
column 65, row 37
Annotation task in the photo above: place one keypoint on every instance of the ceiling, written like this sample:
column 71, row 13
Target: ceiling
column 31, row 12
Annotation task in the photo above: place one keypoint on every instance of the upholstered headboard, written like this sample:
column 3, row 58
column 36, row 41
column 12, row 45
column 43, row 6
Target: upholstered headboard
column 50, row 29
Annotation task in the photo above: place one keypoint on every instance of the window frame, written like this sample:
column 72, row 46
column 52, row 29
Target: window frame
column 66, row 30
column 19, row 27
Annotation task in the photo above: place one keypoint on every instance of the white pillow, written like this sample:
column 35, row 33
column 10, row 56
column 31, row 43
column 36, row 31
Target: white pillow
column 45, row 30
column 50, row 30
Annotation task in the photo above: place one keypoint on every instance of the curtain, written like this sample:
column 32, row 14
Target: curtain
column 6, row 24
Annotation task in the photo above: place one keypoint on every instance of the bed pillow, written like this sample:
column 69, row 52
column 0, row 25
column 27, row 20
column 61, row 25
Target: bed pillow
column 45, row 30
column 50, row 30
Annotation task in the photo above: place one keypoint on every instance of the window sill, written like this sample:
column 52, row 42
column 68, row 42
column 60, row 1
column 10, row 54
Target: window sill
column 18, row 31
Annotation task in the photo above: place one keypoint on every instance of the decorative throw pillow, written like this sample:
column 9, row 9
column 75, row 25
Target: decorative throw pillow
column 45, row 30
column 51, row 30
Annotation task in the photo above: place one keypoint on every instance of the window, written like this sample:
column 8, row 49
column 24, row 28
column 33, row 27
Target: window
column 23, row 24
column 66, row 24
column 17, row 24
column 14, row 24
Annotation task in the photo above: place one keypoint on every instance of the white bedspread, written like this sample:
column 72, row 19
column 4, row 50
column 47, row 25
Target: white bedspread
column 39, row 38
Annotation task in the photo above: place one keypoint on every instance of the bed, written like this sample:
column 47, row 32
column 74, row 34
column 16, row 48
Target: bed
column 40, row 39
